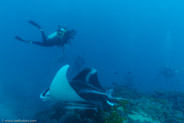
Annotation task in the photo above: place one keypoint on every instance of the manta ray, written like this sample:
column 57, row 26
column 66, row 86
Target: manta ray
column 83, row 92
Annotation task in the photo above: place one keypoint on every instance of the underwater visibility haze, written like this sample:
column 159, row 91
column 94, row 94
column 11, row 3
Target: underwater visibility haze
column 133, row 48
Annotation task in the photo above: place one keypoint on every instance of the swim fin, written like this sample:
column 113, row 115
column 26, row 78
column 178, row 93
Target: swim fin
column 34, row 24
column 19, row 38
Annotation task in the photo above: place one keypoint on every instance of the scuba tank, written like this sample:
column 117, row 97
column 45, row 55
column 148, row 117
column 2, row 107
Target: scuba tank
column 53, row 35
column 59, row 33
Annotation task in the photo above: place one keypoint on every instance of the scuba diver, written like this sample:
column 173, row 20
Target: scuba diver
column 59, row 38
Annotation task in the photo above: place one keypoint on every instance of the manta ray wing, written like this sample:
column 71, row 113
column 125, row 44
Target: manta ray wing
column 89, row 76
column 60, row 88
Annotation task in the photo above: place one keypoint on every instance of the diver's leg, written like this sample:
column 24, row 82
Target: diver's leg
column 38, row 43
column 44, row 37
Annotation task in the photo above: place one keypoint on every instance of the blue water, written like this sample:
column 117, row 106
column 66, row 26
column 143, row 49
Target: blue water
column 115, row 37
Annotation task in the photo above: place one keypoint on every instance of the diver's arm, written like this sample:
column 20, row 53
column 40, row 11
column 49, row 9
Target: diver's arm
column 69, row 42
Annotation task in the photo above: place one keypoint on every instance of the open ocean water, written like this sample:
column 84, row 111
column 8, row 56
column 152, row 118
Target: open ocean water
column 136, row 46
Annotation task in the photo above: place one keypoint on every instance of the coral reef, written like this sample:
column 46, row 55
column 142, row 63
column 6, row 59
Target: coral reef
column 157, row 107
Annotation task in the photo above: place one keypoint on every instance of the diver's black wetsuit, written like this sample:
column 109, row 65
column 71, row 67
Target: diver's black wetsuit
column 49, row 42
column 58, row 40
